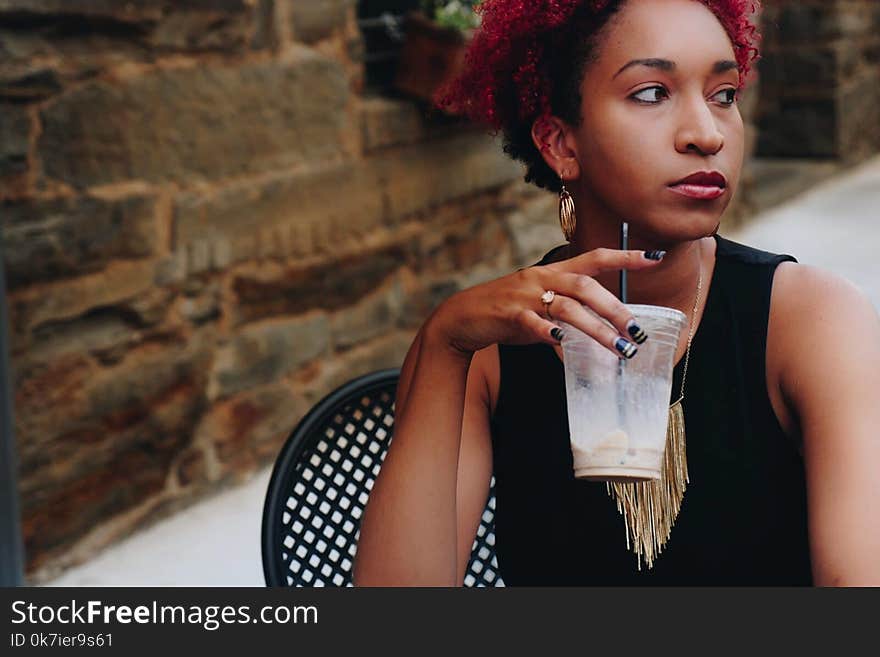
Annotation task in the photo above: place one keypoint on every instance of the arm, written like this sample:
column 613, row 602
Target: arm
column 424, row 509
column 830, row 376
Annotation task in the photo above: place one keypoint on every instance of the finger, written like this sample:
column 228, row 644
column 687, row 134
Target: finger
column 588, row 291
column 542, row 329
column 600, row 260
column 572, row 312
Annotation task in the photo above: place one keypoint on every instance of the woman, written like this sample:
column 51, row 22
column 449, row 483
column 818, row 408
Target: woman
column 631, row 105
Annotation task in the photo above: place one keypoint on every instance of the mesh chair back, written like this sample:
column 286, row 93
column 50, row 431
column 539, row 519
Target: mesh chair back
column 321, row 483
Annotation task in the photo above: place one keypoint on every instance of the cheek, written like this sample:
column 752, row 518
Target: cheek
column 734, row 145
column 626, row 160
column 639, row 151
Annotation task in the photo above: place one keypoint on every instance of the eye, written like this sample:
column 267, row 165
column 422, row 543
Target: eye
column 728, row 95
column 650, row 95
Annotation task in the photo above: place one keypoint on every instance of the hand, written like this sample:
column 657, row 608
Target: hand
column 509, row 310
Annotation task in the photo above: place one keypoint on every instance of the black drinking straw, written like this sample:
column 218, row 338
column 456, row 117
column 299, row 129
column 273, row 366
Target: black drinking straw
column 624, row 245
column 621, row 364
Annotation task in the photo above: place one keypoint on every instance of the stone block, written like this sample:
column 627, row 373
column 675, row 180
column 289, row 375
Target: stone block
column 15, row 129
column 89, row 44
column 419, row 177
column 171, row 268
column 147, row 309
column 48, row 394
column 872, row 52
column 470, row 237
column 250, row 427
column 199, row 257
column 146, row 407
column 810, row 66
column 799, row 128
column 192, row 467
column 143, row 378
column 229, row 26
column 857, row 18
column 106, row 333
column 267, row 34
column 283, row 211
column 328, row 285
column 813, row 21
column 188, row 25
column 422, row 294
column 748, row 101
column 54, row 238
column 213, row 120
column 386, row 122
column 843, row 124
column 370, row 317
column 534, row 230
column 30, row 83
column 381, row 353
column 202, row 306
column 126, row 11
column 102, row 332
column 313, row 21
column 33, row 306
column 858, row 119
column 484, row 273
column 264, row 353
column 54, row 519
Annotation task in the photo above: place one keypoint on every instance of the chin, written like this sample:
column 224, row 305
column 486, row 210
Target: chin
column 682, row 227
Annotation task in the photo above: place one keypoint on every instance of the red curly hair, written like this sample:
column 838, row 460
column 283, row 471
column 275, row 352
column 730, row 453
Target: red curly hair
column 528, row 59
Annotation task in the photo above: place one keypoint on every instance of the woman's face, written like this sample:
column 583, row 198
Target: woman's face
column 658, row 105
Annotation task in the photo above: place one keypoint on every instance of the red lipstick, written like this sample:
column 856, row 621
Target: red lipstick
column 704, row 185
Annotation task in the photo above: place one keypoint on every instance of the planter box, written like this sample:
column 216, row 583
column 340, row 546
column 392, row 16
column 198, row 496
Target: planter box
column 431, row 56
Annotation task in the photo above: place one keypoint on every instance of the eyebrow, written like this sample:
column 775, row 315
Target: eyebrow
column 720, row 66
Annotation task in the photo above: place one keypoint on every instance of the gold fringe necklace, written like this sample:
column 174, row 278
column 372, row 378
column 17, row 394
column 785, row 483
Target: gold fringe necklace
column 649, row 508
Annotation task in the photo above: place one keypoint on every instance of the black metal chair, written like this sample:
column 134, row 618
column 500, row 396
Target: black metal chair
column 322, row 480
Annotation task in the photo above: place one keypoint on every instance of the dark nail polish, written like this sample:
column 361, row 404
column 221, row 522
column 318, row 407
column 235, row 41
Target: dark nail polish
column 655, row 255
column 557, row 334
column 625, row 347
column 635, row 332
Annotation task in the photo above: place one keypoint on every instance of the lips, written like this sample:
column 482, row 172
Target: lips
column 704, row 179
column 705, row 185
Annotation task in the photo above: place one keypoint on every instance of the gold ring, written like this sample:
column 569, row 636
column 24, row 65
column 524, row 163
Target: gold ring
column 547, row 299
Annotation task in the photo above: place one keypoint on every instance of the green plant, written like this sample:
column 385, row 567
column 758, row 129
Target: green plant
column 455, row 14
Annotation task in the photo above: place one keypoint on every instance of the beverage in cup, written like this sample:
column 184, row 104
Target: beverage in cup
column 618, row 410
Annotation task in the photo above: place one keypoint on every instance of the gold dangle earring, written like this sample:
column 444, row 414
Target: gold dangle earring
column 567, row 217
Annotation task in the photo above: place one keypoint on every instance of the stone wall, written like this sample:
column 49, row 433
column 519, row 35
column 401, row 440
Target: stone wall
column 207, row 227
column 820, row 92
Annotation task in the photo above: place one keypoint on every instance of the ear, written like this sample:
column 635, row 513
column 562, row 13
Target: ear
column 555, row 142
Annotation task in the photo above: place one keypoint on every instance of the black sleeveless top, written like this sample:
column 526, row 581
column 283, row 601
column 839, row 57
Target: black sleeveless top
column 743, row 520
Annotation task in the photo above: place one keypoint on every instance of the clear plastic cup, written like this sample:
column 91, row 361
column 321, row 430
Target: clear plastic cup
column 618, row 409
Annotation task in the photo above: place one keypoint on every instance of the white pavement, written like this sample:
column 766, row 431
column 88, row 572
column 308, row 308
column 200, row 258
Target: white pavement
column 212, row 543
column 217, row 542
column 835, row 226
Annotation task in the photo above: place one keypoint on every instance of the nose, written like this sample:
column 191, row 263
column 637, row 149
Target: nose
column 698, row 131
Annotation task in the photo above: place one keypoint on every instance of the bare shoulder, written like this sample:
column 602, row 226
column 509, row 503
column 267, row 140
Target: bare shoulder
column 804, row 288
column 818, row 309
column 819, row 322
